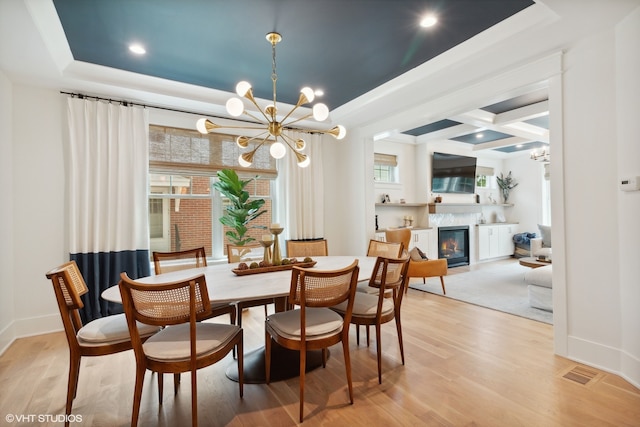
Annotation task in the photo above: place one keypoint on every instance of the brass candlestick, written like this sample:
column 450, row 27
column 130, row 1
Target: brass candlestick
column 277, row 257
column 266, row 244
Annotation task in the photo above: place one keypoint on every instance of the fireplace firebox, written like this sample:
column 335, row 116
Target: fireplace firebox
column 453, row 245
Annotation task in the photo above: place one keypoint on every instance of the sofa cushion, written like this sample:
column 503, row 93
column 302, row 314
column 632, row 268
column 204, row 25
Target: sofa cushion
column 540, row 276
column 545, row 233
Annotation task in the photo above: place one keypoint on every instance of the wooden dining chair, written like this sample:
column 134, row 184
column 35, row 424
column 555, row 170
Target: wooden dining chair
column 386, row 249
column 241, row 254
column 106, row 335
column 185, row 344
column 165, row 262
column 307, row 248
column 390, row 279
column 314, row 325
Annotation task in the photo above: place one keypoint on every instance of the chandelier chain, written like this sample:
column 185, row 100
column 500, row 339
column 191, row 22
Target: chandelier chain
column 274, row 75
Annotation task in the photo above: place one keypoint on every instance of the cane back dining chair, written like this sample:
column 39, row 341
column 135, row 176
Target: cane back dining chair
column 106, row 335
column 386, row 249
column 313, row 325
column 165, row 262
column 390, row 278
column 307, row 248
column 185, row 344
column 246, row 254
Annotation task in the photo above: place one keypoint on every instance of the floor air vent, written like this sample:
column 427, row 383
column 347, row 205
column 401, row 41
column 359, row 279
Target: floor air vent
column 580, row 375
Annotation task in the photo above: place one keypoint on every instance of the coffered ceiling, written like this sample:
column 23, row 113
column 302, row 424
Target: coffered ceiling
column 372, row 59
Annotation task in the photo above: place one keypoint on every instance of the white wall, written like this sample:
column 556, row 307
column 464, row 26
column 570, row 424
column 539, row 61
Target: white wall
column 7, row 312
column 527, row 196
column 628, row 163
column 594, row 325
column 39, row 196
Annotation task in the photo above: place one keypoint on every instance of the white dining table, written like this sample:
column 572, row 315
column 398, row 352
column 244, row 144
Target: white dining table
column 223, row 285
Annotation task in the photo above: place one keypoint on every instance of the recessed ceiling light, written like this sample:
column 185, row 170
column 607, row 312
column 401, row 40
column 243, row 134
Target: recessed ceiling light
column 318, row 92
column 479, row 135
column 428, row 21
column 137, row 48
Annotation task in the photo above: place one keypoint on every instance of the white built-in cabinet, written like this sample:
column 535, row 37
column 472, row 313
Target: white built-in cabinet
column 495, row 240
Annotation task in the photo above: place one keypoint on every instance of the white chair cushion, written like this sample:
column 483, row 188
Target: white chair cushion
column 111, row 330
column 365, row 288
column 319, row 323
column 172, row 343
column 366, row 305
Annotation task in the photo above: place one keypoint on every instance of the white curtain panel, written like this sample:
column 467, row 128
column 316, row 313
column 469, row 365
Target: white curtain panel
column 108, row 206
column 300, row 204
column 108, row 172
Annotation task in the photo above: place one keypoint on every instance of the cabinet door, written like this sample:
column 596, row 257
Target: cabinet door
column 483, row 242
column 420, row 238
column 488, row 242
column 506, row 240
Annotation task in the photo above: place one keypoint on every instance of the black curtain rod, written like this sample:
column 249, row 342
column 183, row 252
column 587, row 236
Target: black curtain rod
column 129, row 103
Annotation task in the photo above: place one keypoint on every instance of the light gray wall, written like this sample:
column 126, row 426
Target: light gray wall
column 7, row 312
column 628, row 163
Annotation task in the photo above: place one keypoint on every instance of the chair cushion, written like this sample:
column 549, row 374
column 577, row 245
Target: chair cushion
column 364, row 287
column 319, row 322
column 110, row 330
column 172, row 343
column 366, row 305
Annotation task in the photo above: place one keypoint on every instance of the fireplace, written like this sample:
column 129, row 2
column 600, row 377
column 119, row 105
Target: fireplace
column 453, row 245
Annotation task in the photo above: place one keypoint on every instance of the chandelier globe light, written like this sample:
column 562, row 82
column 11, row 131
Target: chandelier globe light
column 271, row 129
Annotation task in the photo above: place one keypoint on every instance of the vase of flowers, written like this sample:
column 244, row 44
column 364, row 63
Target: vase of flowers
column 506, row 184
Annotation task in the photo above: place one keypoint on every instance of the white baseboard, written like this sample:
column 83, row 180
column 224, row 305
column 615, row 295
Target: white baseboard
column 22, row 328
column 606, row 358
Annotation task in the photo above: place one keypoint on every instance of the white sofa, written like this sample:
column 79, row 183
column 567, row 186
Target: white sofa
column 540, row 287
column 541, row 246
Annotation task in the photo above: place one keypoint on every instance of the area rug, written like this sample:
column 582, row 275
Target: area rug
column 496, row 285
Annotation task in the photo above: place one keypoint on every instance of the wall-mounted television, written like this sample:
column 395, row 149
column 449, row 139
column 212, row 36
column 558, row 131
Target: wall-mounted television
column 452, row 173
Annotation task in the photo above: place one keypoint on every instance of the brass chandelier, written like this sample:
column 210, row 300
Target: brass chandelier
column 273, row 129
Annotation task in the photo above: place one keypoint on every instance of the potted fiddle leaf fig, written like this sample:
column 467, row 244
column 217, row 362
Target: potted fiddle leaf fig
column 241, row 209
column 506, row 184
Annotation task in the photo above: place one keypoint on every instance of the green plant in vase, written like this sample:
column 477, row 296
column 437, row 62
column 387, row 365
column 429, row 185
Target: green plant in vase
column 506, row 184
column 241, row 209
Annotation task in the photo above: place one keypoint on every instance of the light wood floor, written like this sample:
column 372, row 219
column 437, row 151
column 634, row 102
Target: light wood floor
column 465, row 366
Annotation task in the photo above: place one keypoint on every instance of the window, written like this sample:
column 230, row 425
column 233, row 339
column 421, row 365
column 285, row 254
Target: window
column 184, row 208
column 385, row 168
column 483, row 177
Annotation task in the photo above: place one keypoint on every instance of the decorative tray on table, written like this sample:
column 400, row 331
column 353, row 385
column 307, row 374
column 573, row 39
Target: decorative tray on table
column 272, row 268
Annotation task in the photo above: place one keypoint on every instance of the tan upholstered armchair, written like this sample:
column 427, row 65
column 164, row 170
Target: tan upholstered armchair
column 428, row 268
column 418, row 267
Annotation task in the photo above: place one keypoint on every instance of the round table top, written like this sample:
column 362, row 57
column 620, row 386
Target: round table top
column 224, row 285
column 533, row 262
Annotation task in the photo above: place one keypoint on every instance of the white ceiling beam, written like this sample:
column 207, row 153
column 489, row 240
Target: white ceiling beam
column 485, row 119
column 522, row 114
column 499, row 143
column 448, row 133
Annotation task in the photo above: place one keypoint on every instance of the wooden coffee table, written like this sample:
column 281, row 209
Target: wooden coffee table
column 533, row 262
